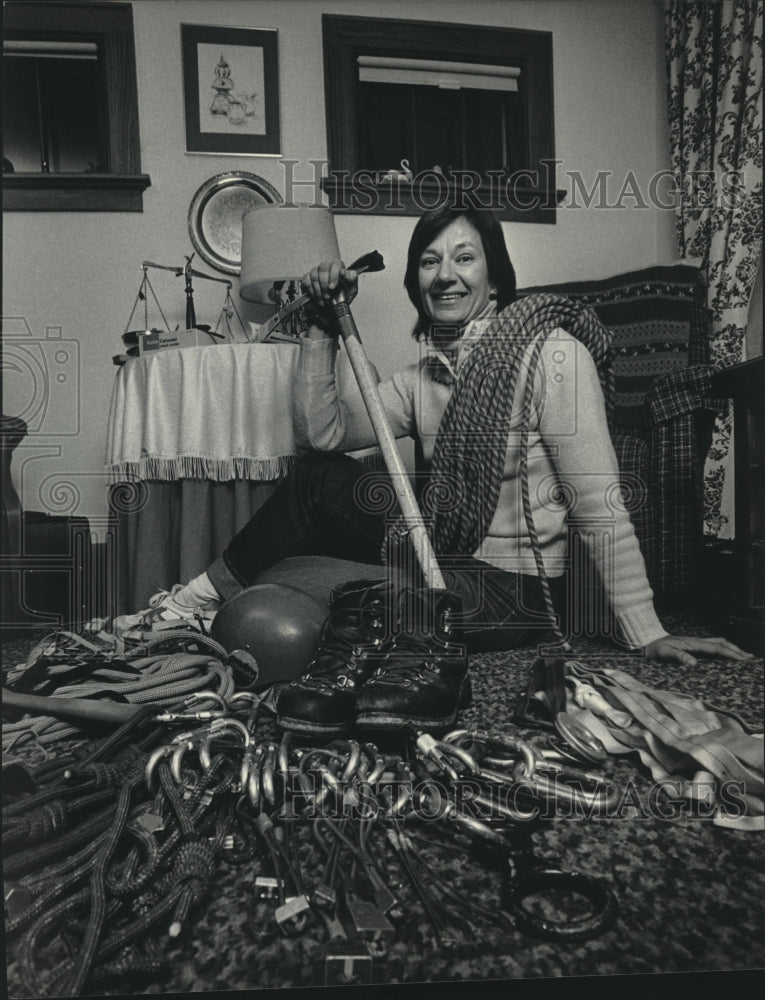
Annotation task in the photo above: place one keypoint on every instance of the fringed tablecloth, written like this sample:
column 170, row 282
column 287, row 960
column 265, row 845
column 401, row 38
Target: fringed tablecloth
column 197, row 441
column 217, row 413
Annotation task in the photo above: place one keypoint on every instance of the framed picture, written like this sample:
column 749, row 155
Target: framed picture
column 231, row 90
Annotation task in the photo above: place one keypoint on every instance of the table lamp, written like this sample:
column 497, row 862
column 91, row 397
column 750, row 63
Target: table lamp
column 280, row 244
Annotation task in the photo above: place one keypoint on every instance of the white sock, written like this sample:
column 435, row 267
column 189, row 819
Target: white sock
column 197, row 593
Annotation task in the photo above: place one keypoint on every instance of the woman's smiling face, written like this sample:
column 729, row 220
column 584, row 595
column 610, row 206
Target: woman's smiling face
column 454, row 275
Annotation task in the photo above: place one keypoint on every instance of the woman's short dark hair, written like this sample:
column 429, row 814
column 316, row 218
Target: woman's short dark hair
column 429, row 225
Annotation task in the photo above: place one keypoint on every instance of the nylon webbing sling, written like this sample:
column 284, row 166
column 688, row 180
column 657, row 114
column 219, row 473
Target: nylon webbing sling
column 675, row 735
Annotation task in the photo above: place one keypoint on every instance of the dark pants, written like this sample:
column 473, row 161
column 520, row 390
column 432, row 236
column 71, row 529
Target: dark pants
column 334, row 507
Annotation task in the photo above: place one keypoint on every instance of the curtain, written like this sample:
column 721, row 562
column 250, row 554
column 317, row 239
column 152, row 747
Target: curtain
column 714, row 90
column 167, row 533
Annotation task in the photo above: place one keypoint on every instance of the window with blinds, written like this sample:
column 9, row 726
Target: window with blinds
column 70, row 108
column 438, row 113
column 52, row 115
column 423, row 104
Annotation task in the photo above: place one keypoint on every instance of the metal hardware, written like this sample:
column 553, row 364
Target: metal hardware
column 347, row 963
column 294, row 915
column 496, row 750
column 160, row 754
column 522, row 884
column 267, row 887
column 580, row 738
column 370, row 923
column 567, row 786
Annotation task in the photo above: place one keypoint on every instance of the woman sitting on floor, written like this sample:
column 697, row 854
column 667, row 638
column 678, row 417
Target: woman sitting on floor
column 509, row 413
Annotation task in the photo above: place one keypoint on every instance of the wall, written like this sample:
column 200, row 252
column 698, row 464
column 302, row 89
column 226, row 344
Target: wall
column 79, row 273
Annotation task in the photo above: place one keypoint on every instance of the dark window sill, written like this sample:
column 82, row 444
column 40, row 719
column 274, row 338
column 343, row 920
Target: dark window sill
column 23, row 192
column 365, row 196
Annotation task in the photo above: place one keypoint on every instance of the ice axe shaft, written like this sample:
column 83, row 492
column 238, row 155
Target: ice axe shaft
column 423, row 548
column 78, row 710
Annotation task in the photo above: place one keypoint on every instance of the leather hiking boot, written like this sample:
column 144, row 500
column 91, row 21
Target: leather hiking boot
column 423, row 679
column 353, row 638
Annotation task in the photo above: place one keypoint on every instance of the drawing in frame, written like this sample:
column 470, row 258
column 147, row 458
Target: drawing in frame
column 231, row 90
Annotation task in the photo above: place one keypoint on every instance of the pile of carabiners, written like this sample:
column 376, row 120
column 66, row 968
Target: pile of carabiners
column 341, row 839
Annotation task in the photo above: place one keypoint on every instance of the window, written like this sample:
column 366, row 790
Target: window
column 453, row 115
column 70, row 116
column 454, row 110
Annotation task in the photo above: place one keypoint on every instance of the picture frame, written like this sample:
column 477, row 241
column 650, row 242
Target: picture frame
column 231, row 90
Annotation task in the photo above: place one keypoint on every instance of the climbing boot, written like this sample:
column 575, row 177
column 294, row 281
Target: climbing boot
column 423, row 678
column 352, row 641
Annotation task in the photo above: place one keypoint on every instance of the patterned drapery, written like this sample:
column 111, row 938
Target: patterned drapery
column 713, row 52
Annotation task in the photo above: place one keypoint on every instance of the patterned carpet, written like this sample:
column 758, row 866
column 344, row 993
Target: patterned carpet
column 691, row 896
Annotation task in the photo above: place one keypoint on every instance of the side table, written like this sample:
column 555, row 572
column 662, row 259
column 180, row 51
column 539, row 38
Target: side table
column 197, row 440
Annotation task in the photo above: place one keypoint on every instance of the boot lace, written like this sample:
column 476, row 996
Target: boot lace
column 414, row 655
column 344, row 639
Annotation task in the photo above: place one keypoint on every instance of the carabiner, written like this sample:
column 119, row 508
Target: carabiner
column 183, row 743
column 244, row 770
column 329, row 783
column 567, row 786
column 248, row 697
column 267, row 774
column 253, row 777
column 160, row 754
column 404, row 781
column 378, row 765
column 283, row 756
column 210, row 695
column 220, row 727
column 439, row 751
column 487, row 744
column 473, row 827
column 353, row 750
column 333, row 773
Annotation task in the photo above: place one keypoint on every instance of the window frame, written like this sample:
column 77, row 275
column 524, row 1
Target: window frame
column 121, row 188
column 346, row 37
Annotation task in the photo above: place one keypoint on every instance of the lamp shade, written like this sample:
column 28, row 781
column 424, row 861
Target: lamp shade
column 281, row 242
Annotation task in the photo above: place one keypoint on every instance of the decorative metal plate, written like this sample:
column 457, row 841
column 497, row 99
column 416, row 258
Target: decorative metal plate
column 215, row 216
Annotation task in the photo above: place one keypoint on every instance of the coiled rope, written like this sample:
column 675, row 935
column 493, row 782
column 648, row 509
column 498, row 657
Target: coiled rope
column 159, row 679
column 471, row 445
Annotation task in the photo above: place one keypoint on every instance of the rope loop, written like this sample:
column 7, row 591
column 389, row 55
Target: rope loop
column 193, row 867
column 47, row 821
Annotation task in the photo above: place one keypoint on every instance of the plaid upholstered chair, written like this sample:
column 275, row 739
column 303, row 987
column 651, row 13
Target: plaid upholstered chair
column 663, row 413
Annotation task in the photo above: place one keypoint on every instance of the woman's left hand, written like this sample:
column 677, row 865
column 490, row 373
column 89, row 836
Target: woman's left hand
column 680, row 649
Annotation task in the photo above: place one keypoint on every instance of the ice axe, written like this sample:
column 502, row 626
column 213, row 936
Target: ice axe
column 410, row 510
column 367, row 383
column 76, row 710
